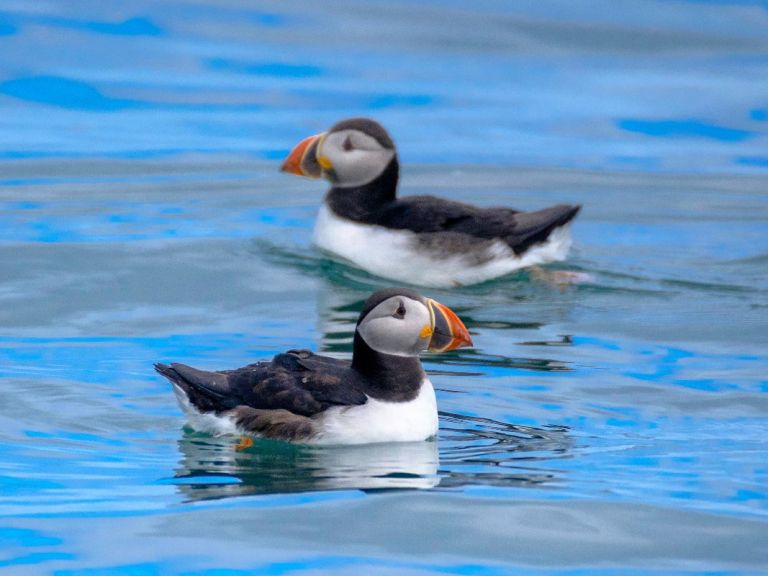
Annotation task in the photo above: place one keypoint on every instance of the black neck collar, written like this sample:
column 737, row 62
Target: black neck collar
column 385, row 376
column 359, row 203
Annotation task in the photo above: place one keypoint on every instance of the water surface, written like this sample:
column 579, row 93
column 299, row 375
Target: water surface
column 615, row 425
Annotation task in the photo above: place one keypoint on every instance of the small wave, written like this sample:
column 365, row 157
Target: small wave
column 310, row 260
column 757, row 259
column 705, row 286
column 482, row 451
column 659, row 285
column 564, row 340
column 478, row 360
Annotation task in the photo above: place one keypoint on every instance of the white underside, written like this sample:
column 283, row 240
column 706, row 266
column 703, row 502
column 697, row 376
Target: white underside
column 397, row 254
column 378, row 421
column 373, row 422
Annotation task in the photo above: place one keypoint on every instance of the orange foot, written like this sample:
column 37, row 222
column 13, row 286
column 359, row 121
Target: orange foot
column 244, row 443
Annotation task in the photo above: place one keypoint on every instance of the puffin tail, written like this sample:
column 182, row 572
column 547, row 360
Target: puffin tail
column 535, row 227
column 202, row 390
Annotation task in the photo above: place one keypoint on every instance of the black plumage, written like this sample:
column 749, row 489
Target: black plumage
column 276, row 398
column 297, row 380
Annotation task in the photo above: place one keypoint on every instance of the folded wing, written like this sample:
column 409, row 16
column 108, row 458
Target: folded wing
column 297, row 381
column 520, row 230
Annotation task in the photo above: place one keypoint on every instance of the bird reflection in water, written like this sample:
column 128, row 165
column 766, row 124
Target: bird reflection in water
column 472, row 451
column 212, row 468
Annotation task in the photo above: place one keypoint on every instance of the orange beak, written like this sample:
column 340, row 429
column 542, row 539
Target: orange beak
column 301, row 161
column 448, row 331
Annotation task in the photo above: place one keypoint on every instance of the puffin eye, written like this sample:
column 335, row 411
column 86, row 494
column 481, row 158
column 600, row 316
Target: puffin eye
column 347, row 144
column 400, row 312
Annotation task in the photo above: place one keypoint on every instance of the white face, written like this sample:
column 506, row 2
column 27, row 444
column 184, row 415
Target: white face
column 397, row 326
column 354, row 157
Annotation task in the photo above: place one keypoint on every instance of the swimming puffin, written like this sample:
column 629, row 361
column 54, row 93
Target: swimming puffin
column 416, row 239
column 382, row 395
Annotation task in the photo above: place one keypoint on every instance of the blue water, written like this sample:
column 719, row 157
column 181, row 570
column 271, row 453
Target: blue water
column 618, row 425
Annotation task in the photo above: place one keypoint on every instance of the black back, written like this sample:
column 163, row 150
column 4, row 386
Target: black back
column 301, row 382
column 376, row 203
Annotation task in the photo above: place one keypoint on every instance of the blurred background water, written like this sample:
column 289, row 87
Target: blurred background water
column 617, row 426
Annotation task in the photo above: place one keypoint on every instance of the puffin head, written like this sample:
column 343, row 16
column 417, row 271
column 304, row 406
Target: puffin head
column 352, row 153
column 401, row 322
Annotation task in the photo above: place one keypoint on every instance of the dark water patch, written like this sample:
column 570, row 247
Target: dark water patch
column 496, row 364
column 27, row 537
column 63, row 92
column 564, row 340
column 400, row 100
column 707, row 286
column 232, row 15
column 7, row 28
column 360, row 102
column 685, row 129
column 660, row 283
column 469, row 321
column 276, row 69
column 36, row 558
column 452, row 373
column 73, row 94
column 268, row 19
column 538, row 282
column 756, row 161
column 136, row 26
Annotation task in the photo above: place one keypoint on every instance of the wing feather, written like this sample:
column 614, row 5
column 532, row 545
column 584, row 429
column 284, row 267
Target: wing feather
column 428, row 214
column 297, row 381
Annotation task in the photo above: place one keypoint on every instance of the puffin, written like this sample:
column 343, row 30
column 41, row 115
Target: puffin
column 381, row 395
column 421, row 240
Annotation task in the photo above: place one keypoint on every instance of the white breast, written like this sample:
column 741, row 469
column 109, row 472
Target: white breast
column 398, row 255
column 379, row 421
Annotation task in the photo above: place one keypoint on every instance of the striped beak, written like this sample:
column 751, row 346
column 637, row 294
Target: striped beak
column 302, row 160
column 448, row 331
